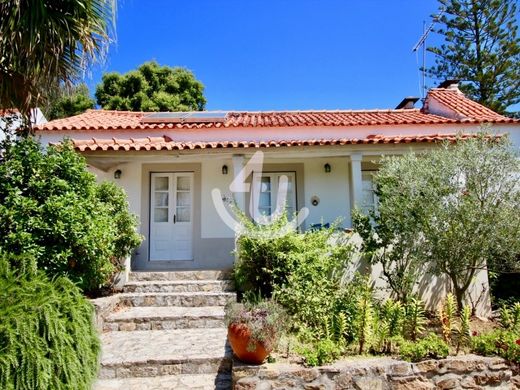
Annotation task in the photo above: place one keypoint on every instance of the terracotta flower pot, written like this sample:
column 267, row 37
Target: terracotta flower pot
column 239, row 337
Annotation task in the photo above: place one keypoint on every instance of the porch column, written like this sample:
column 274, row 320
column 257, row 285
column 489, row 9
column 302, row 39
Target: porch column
column 239, row 177
column 356, row 184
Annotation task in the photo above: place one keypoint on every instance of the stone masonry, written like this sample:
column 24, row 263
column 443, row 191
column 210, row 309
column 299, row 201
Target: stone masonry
column 166, row 331
column 460, row 372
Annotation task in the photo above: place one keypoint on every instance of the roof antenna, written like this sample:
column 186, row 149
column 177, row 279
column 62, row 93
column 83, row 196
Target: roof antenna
column 421, row 43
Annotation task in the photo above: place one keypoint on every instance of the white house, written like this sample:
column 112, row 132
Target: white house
column 170, row 164
column 11, row 120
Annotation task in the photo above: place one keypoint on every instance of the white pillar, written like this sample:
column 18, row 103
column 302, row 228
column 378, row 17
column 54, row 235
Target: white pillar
column 239, row 177
column 356, row 184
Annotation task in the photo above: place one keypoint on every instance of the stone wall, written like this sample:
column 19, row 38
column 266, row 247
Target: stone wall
column 460, row 372
column 103, row 307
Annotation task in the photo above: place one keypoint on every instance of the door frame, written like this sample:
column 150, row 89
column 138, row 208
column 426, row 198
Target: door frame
column 142, row 255
column 172, row 205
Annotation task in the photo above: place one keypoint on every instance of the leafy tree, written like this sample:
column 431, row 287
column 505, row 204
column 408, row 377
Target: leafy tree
column 464, row 206
column 481, row 48
column 45, row 42
column 68, row 102
column 52, row 209
column 151, row 88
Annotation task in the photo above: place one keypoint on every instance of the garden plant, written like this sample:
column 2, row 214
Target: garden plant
column 453, row 212
column 53, row 209
column 61, row 235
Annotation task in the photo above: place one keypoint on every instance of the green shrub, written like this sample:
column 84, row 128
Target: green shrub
column 52, row 209
column 321, row 352
column 499, row 342
column 510, row 317
column 126, row 238
column 430, row 347
column 301, row 270
column 47, row 335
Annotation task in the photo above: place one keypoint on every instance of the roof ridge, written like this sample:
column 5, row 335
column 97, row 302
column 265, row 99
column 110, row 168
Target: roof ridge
column 332, row 111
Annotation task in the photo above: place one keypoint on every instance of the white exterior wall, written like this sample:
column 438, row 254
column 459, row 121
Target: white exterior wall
column 334, row 189
column 212, row 177
column 331, row 188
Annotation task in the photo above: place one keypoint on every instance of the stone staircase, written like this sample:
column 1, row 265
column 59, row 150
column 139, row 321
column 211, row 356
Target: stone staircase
column 166, row 331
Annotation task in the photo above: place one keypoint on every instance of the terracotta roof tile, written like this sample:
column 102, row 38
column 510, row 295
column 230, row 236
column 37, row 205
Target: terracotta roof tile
column 166, row 143
column 464, row 107
column 468, row 112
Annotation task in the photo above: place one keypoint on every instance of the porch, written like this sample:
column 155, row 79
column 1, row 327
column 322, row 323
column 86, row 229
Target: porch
column 167, row 190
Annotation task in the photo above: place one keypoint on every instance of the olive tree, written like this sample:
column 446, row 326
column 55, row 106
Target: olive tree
column 460, row 201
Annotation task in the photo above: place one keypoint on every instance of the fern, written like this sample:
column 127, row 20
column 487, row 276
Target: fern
column 515, row 314
column 47, row 336
column 464, row 331
column 506, row 318
column 447, row 312
column 415, row 319
column 341, row 326
column 365, row 318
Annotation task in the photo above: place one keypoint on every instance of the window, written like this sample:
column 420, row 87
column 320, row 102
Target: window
column 369, row 198
column 271, row 193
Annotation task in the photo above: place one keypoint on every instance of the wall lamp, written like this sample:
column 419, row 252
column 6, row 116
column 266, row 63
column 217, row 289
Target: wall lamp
column 327, row 168
column 224, row 169
column 117, row 174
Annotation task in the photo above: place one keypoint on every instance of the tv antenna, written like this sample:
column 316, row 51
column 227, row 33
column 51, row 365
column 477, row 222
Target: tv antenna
column 421, row 43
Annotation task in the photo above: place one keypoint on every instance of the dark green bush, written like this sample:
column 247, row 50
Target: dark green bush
column 52, row 209
column 47, row 336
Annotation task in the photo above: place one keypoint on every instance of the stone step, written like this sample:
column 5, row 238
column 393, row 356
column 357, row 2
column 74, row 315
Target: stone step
column 166, row 317
column 179, row 286
column 192, row 299
column 152, row 353
column 168, row 382
column 142, row 276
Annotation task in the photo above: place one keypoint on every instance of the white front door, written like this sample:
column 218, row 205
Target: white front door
column 171, row 216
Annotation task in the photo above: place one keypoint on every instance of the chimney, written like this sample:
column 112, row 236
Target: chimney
column 450, row 84
column 407, row 103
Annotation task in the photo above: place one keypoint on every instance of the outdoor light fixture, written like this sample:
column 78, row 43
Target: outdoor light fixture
column 224, row 169
column 327, row 168
column 117, row 174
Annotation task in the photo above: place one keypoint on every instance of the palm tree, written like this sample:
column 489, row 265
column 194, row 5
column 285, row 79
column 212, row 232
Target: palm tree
column 47, row 42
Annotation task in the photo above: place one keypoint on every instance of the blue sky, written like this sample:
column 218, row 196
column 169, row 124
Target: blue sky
column 279, row 54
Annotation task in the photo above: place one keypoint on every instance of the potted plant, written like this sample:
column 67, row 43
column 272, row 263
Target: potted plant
column 254, row 329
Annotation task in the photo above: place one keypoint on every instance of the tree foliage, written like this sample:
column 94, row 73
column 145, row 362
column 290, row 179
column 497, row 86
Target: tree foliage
column 45, row 42
column 67, row 102
column 151, row 88
column 392, row 242
column 463, row 204
column 47, row 335
column 52, row 209
column 480, row 47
